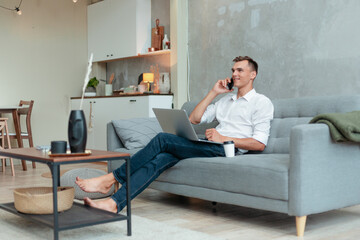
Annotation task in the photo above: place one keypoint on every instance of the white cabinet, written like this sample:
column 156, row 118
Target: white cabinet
column 100, row 111
column 118, row 28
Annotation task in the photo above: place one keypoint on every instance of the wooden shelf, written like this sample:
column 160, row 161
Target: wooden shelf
column 150, row 54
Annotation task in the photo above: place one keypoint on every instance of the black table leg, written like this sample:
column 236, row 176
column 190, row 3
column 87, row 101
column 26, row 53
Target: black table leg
column 128, row 198
column 55, row 178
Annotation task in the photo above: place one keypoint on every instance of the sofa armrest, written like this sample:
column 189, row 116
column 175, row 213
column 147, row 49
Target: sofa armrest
column 112, row 139
column 323, row 175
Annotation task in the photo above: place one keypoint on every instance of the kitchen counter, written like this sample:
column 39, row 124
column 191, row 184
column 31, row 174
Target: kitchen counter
column 135, row 94
column 100, row 110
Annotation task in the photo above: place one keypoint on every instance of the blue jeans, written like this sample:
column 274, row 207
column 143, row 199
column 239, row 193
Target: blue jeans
column 161, row 153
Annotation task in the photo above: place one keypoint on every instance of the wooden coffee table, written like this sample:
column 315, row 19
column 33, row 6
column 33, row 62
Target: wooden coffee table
column 79, row 215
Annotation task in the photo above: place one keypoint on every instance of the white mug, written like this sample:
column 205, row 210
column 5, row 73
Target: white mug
column 229, row 148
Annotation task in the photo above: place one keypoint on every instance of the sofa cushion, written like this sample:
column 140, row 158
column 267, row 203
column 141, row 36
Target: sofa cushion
column 252, row 174
column 136, row 132
column 279, row 139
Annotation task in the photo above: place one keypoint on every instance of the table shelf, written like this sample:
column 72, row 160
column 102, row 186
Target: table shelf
column 77, row 216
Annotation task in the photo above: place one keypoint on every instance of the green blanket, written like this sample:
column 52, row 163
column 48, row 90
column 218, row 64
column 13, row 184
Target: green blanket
column 343, row 126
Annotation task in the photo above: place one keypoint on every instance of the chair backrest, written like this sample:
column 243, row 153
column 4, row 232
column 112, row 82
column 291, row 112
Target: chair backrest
column 2, row 125
column 2, row 136
column 26, row 109
column 3, row 131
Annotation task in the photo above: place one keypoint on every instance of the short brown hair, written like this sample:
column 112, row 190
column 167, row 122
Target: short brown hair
column 251, row 62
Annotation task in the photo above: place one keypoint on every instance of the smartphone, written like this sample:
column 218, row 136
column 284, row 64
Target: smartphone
column 230, row 85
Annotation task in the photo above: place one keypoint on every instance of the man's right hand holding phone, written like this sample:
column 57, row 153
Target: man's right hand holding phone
column 222, row 86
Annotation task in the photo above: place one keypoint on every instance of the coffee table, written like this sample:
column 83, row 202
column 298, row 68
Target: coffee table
column 79, row 215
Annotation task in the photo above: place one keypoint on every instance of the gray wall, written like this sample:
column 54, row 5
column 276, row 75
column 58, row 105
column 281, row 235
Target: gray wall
column 303, row 47
column 127, row 71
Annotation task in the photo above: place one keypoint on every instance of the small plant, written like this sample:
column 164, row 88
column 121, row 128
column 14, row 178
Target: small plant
column 93, row 82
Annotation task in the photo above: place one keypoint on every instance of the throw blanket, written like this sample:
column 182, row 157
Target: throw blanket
column 343, row 126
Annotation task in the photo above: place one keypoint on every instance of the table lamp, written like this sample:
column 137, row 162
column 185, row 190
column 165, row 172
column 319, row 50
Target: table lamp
column 148, row 78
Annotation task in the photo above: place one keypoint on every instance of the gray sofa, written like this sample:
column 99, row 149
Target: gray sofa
column 302, row 170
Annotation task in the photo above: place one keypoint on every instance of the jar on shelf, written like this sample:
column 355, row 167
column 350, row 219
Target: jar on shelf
column 164, row 82
column 166, row 42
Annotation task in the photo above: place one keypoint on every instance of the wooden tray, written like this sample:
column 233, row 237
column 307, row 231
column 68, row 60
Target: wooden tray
column 131, row 93
column 69, row 154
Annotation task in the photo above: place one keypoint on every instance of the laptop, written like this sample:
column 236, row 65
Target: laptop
column 176, row 121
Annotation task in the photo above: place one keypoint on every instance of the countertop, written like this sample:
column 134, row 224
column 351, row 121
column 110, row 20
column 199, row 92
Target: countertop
column 136, row 94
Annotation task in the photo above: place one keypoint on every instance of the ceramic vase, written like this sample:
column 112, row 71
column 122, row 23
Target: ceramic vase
column 77, row 132
column 164, row 83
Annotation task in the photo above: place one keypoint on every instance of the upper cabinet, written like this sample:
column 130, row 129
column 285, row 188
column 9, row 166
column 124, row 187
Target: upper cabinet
column 119, row 29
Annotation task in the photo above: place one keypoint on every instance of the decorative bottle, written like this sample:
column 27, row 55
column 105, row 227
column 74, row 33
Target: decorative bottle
column 77, row 132
column 164, row 43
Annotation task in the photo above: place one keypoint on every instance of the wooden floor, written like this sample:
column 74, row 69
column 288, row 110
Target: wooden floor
column 226, row 221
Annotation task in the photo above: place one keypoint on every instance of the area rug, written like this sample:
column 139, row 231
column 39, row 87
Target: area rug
column 48, row 174
column 14, row 227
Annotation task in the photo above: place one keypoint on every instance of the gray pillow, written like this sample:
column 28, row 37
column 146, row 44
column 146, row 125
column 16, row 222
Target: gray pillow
column 136, row 132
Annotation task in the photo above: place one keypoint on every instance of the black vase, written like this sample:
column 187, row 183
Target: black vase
column 77, row 131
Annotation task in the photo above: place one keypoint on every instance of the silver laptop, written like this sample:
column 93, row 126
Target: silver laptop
column 177, row 122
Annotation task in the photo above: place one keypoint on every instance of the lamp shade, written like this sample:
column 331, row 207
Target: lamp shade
column 148, row 77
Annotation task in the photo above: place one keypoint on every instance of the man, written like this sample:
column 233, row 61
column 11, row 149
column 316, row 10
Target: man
column 244, row 117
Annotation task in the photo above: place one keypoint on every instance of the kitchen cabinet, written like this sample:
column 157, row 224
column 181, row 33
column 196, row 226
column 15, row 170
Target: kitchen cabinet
column 101, row 110
column 119, row 28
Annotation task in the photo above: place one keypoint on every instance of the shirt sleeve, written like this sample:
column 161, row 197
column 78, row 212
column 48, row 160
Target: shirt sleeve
column 209, row 114
column 263, row 114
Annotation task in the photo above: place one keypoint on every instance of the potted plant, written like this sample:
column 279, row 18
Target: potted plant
column 91, row 87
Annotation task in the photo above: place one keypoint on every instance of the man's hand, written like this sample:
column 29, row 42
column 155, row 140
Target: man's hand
column 213, row 135
column 221, row 86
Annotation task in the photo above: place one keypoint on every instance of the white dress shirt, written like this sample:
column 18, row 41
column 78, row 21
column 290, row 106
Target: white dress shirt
column 246, row 117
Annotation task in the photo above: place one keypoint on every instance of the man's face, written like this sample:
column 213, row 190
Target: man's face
column 242, row 74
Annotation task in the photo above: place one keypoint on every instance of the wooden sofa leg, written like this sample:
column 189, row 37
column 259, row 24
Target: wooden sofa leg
column 300, row 225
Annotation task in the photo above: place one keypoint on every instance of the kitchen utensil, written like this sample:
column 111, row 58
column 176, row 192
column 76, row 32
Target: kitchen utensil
column 111, row 78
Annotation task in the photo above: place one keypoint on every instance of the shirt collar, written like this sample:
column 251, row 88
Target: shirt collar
column 247, row 96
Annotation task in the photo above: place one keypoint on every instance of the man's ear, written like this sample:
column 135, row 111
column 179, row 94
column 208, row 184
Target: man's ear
column 253, row 75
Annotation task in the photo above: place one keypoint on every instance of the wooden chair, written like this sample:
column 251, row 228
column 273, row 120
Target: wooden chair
column 4, row 135
column 25, row 111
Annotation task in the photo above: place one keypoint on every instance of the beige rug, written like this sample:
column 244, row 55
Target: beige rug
column 14, row 227
column 48, row 174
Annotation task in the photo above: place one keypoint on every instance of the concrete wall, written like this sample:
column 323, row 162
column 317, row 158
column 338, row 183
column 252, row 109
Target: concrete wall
column 304, row 48
column 43, row 56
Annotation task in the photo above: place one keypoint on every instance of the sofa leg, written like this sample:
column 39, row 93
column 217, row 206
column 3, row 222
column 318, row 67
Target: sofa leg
column 300, row 225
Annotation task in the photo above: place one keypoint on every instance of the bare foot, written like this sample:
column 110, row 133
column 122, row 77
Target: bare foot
column 107, row 204
column 100, row 184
